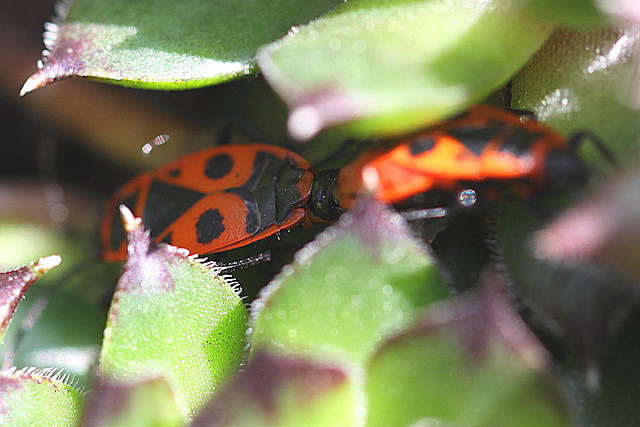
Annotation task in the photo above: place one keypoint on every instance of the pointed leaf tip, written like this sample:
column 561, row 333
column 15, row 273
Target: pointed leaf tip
column 175, row 45
column 33, row 82
column 15, row 283
column 45, row 264
column 198, row 333
column 130, row 221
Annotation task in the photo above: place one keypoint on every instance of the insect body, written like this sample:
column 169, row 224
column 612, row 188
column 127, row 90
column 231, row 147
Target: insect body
column 483, row 150
column 229, row 196
column 220, row 198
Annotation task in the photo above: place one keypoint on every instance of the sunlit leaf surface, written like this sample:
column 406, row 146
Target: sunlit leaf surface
column 397, row 65
column 165, row 44
column 172, row 316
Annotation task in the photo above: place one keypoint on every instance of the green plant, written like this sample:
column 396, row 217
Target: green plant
column 362, row 329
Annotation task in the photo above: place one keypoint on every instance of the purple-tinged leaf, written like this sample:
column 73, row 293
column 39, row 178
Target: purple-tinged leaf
column 146, row 403
column 605, row 227
column 469, row 361
column 14, row 284
column 38, row 397
column 283, row 391
column 387, row 67
column 361, row 279
column 165, row 44
column 174, row 316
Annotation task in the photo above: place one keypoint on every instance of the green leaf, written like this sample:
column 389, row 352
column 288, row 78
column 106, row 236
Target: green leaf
column 14, row 283
column 575, row 13
column 146, row 403
column 31, row 397
column 67, row 334
column 69, row 312
column 362, row 279
column 471, row 362
column 166, row 44
column 284, row 391
column 397, row 65
column 581, row 80
column 26, row 239
column 174, row 316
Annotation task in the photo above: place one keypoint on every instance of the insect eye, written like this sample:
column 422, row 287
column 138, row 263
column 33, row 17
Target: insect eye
column 421, row 145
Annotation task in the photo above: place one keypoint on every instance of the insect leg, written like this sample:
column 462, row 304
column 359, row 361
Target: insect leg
column 246, row 262
column 418, row 214
column 234, row 123
column 508, row 99
column 346, row 152
column 579, row 137
column 464, row 200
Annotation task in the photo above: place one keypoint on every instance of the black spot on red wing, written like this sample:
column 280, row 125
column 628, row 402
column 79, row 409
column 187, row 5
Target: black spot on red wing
column 420, row 145
column 117, row 234
column 476, row 136
column 218, row 166
column 174, row 173
column 209, row 226
column 519, row 142
column 165, row 203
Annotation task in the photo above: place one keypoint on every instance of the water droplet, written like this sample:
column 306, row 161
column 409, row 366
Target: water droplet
column 360, row 46
column 356, row 301
column 59, row 212
column 330, row 279
column 467, row 198
column 396, row 255
column 287, row 270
